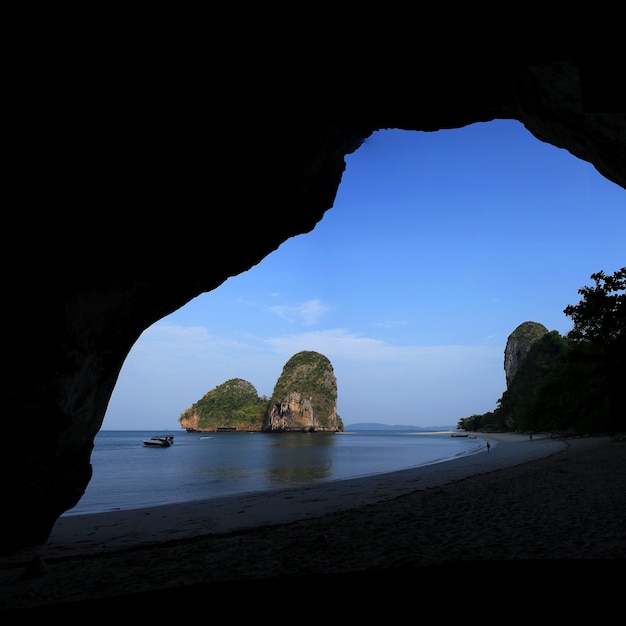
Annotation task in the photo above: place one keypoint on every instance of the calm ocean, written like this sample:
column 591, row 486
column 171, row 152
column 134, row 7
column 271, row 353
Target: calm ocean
column 129, row 475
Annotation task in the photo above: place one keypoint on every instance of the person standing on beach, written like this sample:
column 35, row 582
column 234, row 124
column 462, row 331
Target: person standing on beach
column 488, row 446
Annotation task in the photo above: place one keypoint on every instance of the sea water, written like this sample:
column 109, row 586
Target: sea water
column 129, row 475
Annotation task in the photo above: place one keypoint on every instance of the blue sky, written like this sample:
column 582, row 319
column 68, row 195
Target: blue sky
column 437, row 247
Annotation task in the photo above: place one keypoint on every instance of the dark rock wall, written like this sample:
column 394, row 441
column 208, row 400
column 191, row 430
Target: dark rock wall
column 517, row 346
column 139, row 191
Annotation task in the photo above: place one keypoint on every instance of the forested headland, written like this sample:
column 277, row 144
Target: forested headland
column 570, row 385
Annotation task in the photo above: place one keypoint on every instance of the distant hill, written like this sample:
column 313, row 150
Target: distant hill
column 405, row 428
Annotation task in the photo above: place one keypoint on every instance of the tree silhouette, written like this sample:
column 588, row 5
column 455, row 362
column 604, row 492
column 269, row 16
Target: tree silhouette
column 599, row 337
column 600, row 317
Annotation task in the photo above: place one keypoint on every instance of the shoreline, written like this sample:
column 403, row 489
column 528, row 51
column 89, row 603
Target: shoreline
column 208, row 482
column 93, row 533
column 91, row 503
column 523, row 500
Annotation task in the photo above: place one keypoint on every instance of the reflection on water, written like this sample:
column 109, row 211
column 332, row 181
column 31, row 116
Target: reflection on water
column 300, row 457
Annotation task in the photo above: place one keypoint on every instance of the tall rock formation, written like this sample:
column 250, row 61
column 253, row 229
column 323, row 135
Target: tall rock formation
column 305, row 396
column 518, row 344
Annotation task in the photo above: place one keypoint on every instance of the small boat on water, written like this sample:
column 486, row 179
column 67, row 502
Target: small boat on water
column 159, row 441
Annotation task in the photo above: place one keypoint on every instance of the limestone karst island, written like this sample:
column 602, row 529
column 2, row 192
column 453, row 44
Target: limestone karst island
column 304, row 400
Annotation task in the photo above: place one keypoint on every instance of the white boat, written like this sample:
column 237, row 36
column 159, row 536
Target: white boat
column 159, row 441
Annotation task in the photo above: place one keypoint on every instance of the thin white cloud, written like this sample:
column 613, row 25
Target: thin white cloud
column 341, row 343
column 308, row 313
column 166, row 340
column 392, row 323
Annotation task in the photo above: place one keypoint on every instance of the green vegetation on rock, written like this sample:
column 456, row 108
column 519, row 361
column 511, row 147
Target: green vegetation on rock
column 234, row 404
column 528, row 332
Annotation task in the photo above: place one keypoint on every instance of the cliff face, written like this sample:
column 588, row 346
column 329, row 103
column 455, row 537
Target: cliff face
column 294, row 412
column 190, row 422
column 517, row 346
column 305, row 396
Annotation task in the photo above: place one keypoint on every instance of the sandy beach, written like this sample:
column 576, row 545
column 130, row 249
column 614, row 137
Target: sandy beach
column 519, row 504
